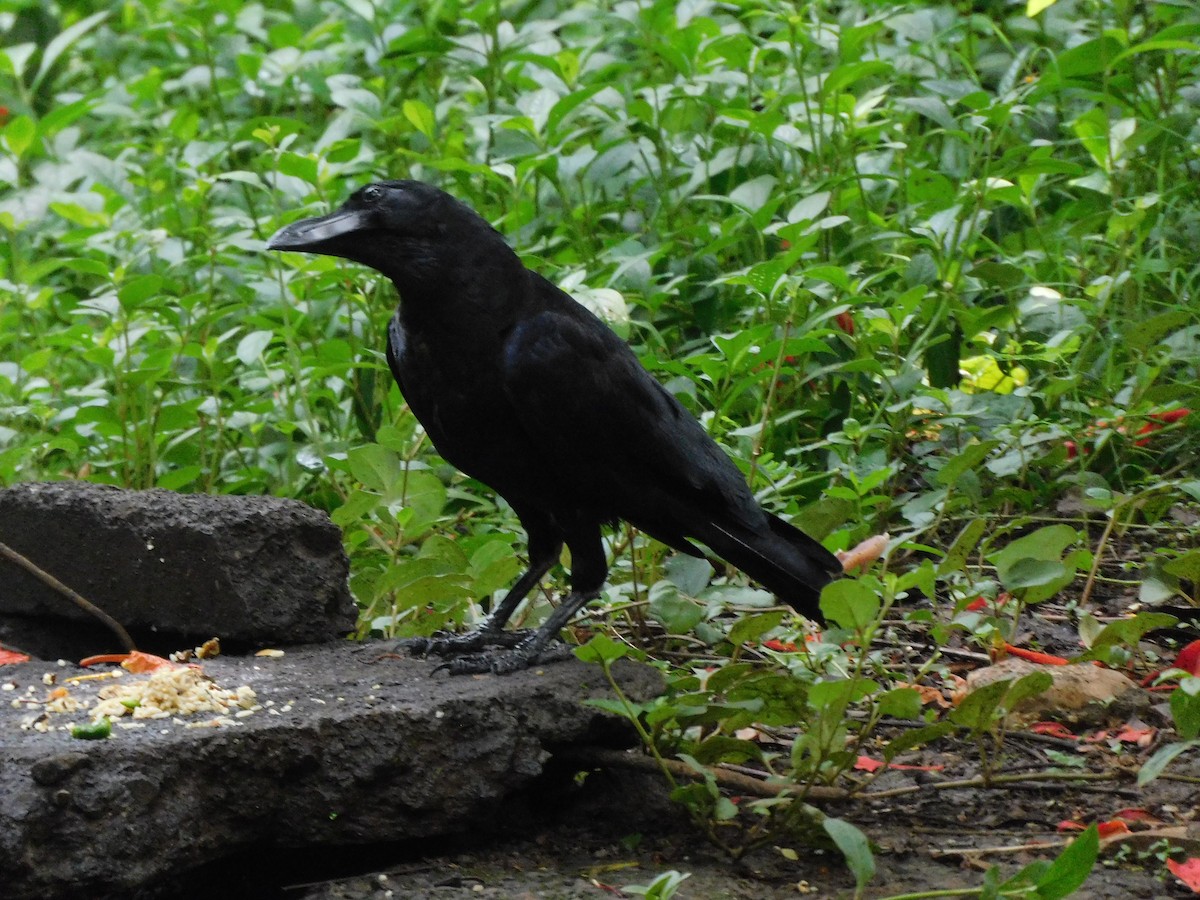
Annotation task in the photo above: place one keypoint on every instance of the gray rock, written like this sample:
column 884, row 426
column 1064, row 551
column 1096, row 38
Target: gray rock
column 350, row 748
column 194, row 566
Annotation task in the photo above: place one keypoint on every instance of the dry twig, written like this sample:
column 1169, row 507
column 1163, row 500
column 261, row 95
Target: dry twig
column 55, row 585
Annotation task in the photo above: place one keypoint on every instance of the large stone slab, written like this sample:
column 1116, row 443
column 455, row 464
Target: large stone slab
column 249, row 570
column 348, row 748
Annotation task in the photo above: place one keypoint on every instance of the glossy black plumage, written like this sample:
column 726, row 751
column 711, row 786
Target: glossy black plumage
column 521, row 387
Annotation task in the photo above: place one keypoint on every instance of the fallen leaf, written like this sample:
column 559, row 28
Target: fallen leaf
column 1105, row 829
column 1135, row 814
column 1187, row 871
column 866, row 764
column 1129, row 734
column 1054, row 729
column 135, row 661
column 12, row 657
column 1036, row 656
column 929, row 694
column 780, row 646
column 983, row 602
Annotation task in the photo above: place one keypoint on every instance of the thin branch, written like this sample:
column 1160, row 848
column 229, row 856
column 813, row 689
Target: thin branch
column 55, row 585
column 735, row 781
column 745, row 784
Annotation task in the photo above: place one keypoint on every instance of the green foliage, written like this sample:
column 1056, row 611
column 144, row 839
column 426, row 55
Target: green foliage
column 925, row 269
column 663, row 887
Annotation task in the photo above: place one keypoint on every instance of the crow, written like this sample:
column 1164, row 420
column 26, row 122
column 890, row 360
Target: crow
column 521, row 387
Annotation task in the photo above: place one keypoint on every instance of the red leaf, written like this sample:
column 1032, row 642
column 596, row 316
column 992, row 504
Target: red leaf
column 1140, row 736
column 1134, row 814
column 866, row 764
column 845, row 321
column 1070, row 825
column 1113, row 826
column 780, row 646
column 1189, row 658
column 1187, row 871
column 135, row 661
column 1171, row 415
column 1046, row 659
column 1055, row 729
column 12, row 657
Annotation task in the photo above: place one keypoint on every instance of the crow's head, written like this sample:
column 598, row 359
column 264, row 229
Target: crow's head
column 407, row 230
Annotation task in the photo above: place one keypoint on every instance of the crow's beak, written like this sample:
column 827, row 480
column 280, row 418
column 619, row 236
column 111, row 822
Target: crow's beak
column 316, row 235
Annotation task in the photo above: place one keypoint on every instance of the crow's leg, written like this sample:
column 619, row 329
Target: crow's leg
column 544, row 549
column 588, row 568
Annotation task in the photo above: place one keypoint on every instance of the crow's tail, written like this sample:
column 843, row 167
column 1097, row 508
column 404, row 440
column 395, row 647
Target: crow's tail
column 782, row 558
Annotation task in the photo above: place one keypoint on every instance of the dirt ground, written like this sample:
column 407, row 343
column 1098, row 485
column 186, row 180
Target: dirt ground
column 622, row 831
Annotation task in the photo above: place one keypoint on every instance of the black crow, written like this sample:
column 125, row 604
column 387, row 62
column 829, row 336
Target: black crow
column 521, row 387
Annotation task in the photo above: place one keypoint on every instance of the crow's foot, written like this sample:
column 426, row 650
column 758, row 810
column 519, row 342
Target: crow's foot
column 504, row 662
column 447, row 644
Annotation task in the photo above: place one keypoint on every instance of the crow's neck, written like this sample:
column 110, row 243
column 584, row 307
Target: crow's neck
column 478, row 291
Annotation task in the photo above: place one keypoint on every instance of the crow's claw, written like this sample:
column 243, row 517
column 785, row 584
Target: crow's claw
column 504, row 662
column 447, row 644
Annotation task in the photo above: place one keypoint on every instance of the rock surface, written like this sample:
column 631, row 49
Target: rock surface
column 348, row 748
column 250, row 570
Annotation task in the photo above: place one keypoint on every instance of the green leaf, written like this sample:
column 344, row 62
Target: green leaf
column 138, row 289
column 720, row 748
column 917, row 737
column 968, row 539
column 902, row 703
column 855, row 848
column 676, row 613
column 689, row 574
column 1163, row 756
column 850, row 604
column 750, row 628
column 1186, row 566
column 1047, row 543
column 375, row 467
column 1035, row 7
column 966, row 461
column 19, row 134
column 302, row 167
column 250, row 348
column 1142, row 334
column 421, row 117
column 1070, row 870
column 601, row 649
column 1185, row 711
column 980, row 709
column 1027, row 686
column 59, row 44
column 1027, row 573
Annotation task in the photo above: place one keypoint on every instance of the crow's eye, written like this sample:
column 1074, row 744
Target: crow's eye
column 372, row 193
